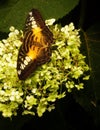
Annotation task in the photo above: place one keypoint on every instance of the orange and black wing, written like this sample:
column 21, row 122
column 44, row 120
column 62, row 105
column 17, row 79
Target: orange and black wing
column 36, row 47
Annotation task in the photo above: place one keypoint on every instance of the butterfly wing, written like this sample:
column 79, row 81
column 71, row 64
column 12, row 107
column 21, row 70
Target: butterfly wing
column 36, row 47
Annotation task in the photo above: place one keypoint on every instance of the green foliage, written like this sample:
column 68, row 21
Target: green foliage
column 66, row 71
column 14, row 12
column 89, row 99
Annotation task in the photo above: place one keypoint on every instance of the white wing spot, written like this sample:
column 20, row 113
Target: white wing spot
column 30, row 13
column 28, row 59
column 25, row 62
column 22, row 66
column 19, row 72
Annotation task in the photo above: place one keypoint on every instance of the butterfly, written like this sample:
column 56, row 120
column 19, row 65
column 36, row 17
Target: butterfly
column 36, row 47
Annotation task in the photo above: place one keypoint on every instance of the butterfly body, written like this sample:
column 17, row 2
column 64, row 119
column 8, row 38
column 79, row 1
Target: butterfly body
column 36, row 47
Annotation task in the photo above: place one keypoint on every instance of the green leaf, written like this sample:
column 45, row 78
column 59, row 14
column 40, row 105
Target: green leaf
column 14, row 12
column 89, row 98
column 93, row 39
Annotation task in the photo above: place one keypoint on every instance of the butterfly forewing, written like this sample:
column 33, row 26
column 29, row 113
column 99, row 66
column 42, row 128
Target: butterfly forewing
column 34, row 20
column 36, row 47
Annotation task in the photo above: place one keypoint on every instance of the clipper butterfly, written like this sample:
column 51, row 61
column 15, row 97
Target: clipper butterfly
column 36, row 47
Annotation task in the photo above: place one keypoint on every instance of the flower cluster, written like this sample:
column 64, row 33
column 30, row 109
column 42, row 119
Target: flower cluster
column 66, row 70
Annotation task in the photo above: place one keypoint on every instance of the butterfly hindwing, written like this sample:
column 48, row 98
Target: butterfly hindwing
column 36, row 47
